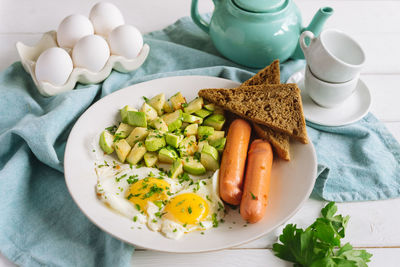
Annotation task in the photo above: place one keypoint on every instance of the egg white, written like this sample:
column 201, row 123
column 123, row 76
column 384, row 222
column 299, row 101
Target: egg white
column 112, row 186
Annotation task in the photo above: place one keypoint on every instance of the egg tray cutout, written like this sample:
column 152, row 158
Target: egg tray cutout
column 29, row 56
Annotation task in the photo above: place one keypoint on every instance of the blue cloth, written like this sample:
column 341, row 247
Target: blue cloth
column 40, row 225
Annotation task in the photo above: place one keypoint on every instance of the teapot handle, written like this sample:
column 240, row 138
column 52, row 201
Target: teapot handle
column 194, row 12
column 303, row 42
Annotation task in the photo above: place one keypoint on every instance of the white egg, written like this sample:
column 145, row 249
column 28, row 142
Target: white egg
column 54, row 66
column 73, row 28
column 91, row 52
column 105, row 18
column 126, row 41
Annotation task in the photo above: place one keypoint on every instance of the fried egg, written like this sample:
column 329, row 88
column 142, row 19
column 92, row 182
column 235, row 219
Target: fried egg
column 171, row 206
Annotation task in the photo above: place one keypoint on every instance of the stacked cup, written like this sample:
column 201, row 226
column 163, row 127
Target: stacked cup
column 334, row 62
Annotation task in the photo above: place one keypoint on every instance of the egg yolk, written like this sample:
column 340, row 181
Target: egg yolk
column 147, row 189
column 187, row 208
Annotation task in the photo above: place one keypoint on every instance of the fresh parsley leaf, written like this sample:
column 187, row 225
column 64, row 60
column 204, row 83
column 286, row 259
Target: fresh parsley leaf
column 319, row 244
column 112, row 129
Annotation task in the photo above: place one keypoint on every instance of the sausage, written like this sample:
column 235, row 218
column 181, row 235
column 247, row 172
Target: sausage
column 233, row 162
column 257, row 181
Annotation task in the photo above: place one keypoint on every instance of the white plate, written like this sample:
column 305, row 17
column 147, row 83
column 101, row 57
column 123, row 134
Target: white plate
column 351, row 110
column 292, row 182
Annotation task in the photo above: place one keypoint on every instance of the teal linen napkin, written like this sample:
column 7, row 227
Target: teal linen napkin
column 40, row 225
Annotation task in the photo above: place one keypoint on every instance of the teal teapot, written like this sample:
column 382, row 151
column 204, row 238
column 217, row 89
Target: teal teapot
column 254, row 33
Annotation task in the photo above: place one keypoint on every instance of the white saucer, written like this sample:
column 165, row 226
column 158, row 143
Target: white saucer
column 351, row 110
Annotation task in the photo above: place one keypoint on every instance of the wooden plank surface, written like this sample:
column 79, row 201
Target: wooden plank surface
column 374, row 23
column 246, row 257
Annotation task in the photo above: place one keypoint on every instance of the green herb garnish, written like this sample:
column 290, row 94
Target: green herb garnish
column 214, row 219
column 119, row 178
column 319, row 244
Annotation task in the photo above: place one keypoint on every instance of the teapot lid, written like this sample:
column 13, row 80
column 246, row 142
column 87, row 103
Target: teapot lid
column 259, row 6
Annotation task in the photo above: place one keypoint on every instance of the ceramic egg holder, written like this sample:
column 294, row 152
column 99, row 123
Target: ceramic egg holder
column 29, row 56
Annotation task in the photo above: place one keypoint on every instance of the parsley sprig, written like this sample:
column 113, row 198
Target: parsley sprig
column 319, row 244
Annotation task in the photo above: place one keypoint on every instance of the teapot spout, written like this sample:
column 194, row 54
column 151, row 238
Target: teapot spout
column 319, row 19
column 315, row 26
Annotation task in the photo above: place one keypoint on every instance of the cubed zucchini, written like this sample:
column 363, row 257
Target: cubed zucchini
column 149, row 111
column 122, row 148
column 177, row 100
column 123, row 130
column 137, row 153
column 216, row 120
column 157, row 102
column 155, row 141
column 191, row 129
column 137, row 134
column 106, row 142
column 194, row 105
column 193, row 166
column 124, row 113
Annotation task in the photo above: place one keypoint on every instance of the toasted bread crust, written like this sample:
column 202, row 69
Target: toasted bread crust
column 268, row 75
column 278, row 107
column 279, row 141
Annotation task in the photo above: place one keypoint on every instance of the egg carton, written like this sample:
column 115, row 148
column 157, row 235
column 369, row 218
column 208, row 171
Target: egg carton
column 29, row 56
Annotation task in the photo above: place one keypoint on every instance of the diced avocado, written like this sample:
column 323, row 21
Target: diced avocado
column 188, row 146
column 157, row 102
column 210, row 107
column 216, row 135
column 106, row 142
column 193, row 166
column 194, row 105
column 209, row 158
column 154, row 141
column 173, row 139
column 191, row 118
column 201, row 145
column 150, row 112
column 191, row 129
column 177, row 100
column 124, row 113
column 123, row 130
column 137, row 118
column 202, row 113
column 167, row 107
column 159, row 124
column 167, row 155
column 204, row 132
column 137, row 134
column 136, row 153
column 176, row 169
column 219, row 144
column 173, row 120
column 150, row 159
column 122, row 149
column 216, row 120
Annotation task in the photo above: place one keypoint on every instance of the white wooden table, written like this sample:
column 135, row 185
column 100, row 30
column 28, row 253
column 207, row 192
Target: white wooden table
column 374, row 23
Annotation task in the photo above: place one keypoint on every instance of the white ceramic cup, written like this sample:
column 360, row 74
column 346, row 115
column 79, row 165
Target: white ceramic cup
column 333, row 56
column 326, row 94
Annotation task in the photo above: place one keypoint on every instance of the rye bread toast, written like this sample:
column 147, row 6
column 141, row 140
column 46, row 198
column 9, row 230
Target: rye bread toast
column 278, row 107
